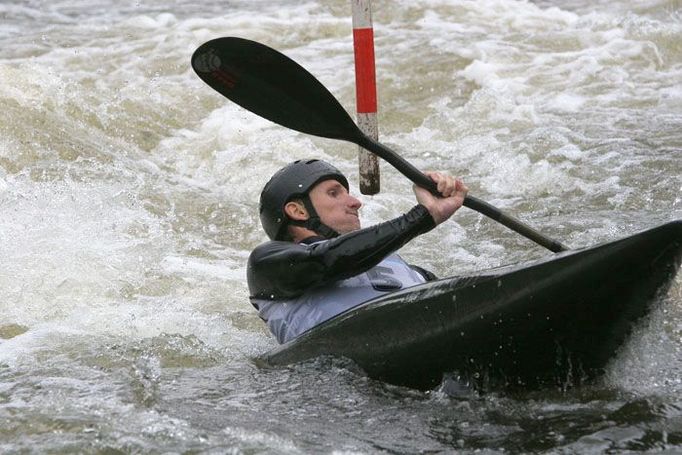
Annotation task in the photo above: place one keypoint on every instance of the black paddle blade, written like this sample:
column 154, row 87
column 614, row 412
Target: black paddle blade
column 270, row 84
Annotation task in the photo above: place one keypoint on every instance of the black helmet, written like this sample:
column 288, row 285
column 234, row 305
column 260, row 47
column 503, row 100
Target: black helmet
column 294, row 181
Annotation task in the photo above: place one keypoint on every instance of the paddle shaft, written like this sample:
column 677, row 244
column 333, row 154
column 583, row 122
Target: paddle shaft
column 417, row 177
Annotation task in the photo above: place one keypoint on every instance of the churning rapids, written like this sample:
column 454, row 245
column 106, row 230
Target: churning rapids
column 128, row 196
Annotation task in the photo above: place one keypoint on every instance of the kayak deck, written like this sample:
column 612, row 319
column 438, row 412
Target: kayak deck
column 555, row 321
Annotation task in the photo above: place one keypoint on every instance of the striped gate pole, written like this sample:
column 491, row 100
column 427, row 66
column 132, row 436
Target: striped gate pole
column 365, row 92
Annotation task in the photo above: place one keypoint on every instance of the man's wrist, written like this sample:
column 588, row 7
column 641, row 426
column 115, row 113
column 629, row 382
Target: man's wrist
column 428, row 221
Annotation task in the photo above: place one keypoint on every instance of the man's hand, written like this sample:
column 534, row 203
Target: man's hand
column 452, row 190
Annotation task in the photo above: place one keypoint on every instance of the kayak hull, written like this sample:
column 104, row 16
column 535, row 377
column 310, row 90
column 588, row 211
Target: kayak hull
column 552, row 322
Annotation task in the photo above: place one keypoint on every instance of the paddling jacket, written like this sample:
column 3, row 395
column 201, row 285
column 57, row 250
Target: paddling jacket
column 296, row 286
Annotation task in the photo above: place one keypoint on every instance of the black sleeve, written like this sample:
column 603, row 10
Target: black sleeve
column 279, row 270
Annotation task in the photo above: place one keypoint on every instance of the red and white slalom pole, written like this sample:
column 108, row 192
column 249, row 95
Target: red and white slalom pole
column 366, row 92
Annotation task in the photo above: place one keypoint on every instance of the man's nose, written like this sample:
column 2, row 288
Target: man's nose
column 354, row 202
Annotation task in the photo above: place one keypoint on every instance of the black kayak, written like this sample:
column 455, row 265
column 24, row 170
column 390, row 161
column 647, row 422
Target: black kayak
column 547, row 323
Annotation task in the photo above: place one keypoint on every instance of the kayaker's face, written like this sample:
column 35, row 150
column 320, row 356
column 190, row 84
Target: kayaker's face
column 335, row 206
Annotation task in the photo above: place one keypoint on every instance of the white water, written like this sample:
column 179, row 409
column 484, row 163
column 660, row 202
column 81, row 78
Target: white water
column 128, row 194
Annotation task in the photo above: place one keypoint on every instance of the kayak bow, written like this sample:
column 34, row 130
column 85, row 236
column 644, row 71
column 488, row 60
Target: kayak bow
column 545, row 323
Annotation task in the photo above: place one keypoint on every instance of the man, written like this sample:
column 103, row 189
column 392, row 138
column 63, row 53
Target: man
column 319, row 262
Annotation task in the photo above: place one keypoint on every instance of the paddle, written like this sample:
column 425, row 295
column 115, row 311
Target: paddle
column 270, row 84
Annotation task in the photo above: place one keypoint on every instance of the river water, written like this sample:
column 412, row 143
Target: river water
column 128, row 198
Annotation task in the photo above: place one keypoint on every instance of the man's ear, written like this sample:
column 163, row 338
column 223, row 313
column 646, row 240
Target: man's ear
column 295, row 210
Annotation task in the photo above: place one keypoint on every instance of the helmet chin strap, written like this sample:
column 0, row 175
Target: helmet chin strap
column 314, row 223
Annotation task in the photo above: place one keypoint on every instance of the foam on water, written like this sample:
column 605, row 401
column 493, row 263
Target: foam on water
column 651, row 364
column 89, row 259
